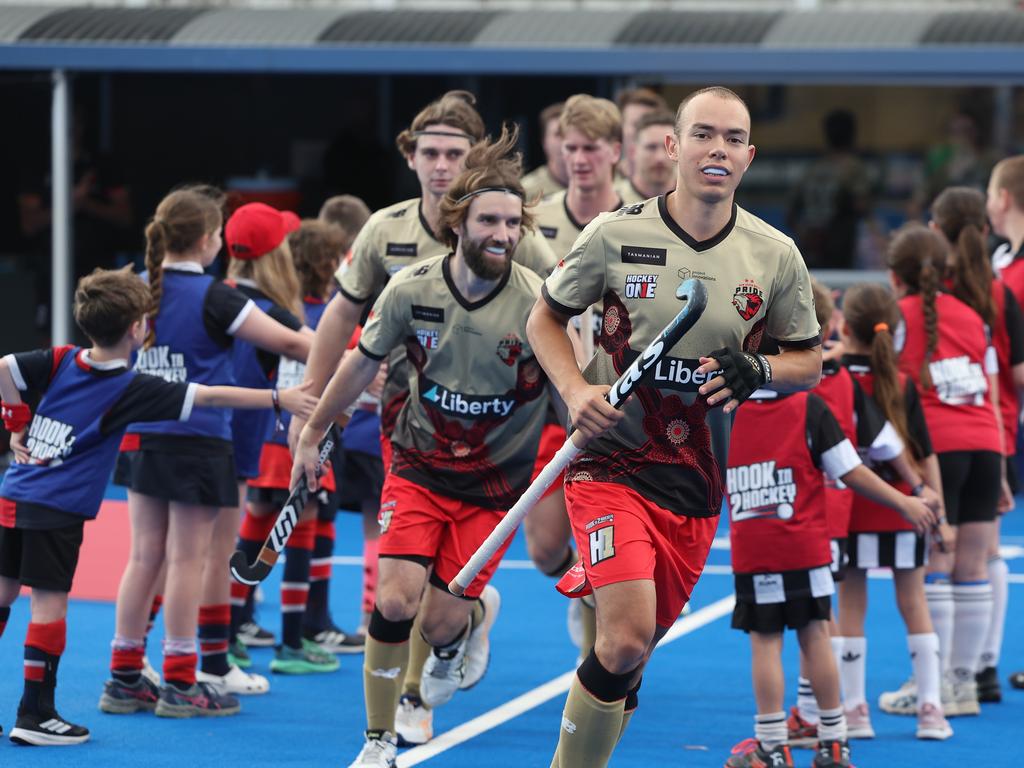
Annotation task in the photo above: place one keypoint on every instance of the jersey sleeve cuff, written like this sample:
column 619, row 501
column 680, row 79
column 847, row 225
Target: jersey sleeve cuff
column 351, row 296
column 242, row 315
column 811, row 343
column 840, row 459
column 12, row 366
column 887, row 445
column 991, row 361
column 190, row 401
column 369, row 354
column 557, row 306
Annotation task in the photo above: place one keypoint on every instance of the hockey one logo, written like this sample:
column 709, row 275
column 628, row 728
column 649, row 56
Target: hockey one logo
column 160, row 361
column 958, row 381
column 602, row 544
column 427, row 338
column 760, row 490
column 49, row 441
column 748, row 299
column 640, row 286
column 467, row 406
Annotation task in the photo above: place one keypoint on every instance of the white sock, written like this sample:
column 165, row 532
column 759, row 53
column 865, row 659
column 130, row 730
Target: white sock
column 770, row 730
column 851, row 671
column 924, row 657
column 832, row 726
column 939, row 592
column 837, row 654
column 806, row 704
column 997, row 575
column 972, row 613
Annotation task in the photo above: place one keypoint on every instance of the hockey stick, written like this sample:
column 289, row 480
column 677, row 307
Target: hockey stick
column 287, row 518
column 696, row 297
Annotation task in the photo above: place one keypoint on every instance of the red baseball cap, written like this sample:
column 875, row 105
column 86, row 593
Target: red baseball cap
column 256, row 229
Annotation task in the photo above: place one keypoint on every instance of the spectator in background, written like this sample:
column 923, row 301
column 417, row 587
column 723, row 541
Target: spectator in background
column 102, row 226
column 552, row 176
column 633, row 104
column 832, row 198
column 654, row 172
column 349, row 213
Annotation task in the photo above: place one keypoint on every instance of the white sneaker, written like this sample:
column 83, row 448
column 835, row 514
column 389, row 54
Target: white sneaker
column 414, row 723
column 478, row 649
column 931, row 724
column 149, row 673
column 443, row 675
column 902, row 701
column 574, row 622
column 965, row 698
column 235, row 682
column 376, row 752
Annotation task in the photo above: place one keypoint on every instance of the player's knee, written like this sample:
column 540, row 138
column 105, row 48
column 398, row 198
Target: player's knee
column 621, row 652
column 395, row 605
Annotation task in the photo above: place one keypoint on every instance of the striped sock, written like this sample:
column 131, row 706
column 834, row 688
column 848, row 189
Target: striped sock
column 5, row 614
column 317, row 615
column 832, row 726
column 806, row 704
column 370, row 561
column 214, row 627
column 239, row 595
column 295, row 582
column 126, row 659
column 180, row 661
column 770, row 730
column 44, row 645
column 251, row 535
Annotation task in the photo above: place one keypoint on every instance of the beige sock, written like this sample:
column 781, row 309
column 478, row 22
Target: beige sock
column 419, row 652
column 588, row 614
column 590, row 730
column 626, row 717
column 382, row 678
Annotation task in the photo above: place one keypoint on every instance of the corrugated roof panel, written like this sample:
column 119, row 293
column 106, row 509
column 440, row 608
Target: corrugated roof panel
column 14, row 20
column 551, row 28
column 697, row 27
column 975, row 28
column 134, row 24
column 257, row 27
column 822, row 29
column 433, row 27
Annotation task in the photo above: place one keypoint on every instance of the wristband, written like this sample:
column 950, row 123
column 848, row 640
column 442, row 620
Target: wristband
column 917, row 490
column 16, row 416
column 766, row 367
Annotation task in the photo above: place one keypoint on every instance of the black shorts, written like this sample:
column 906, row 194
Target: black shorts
column 361, row 479
column 899, row 550
column 44, row 559
column 970, row 485
column 1011, row 475
column 840, row 559
column 189, row 470
column 768, row 603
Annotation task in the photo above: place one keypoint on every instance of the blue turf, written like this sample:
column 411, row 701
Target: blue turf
column 696, row 701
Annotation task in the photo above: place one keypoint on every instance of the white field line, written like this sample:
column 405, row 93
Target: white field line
column 549, row 690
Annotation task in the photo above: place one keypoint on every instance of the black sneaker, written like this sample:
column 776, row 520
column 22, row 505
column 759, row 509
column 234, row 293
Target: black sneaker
column 750, row 754
column 832, row 754
column 334, row 640
column 200, row 699
column 1017, row 679
column 989, row 690
column 47, row 729
column 120, row 698
column 255, row 636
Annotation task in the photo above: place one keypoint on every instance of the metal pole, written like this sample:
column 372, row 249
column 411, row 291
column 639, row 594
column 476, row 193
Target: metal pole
column 61, row 214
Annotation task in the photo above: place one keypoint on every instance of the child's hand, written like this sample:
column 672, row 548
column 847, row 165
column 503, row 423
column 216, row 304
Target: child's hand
column 933, row 500
column 919, row 514
column 21, row 453
column 298, row 400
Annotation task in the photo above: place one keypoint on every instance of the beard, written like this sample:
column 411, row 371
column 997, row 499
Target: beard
column 482, row 264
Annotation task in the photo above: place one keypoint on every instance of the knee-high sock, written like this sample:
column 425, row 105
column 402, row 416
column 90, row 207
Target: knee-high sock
column 317, row 616
column 926, row 662
column 387, row 653
column 44, row 645
column 370, row 558
column 180, row 661
column 938, row 590
column 851, row 672
column 214, row 628
column 588, row 615
column 295, row 582
column 592, row 718
column 972, row 613
column 631, row 706
column 997, row 575
column 251, row 535
column 419, row 652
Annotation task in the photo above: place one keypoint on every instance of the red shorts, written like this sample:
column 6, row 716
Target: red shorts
column 421, row 522
column 385, row 452
column 276, row 470
column 621, row 536
column 552, row 437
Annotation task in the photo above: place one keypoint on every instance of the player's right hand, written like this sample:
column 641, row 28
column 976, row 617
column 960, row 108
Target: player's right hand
column 917, row 512
column 307, row 451
column 299, row 401
column 589, row 410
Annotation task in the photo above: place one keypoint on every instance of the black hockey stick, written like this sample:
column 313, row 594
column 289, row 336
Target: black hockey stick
column 696, row 297
column 287, row 518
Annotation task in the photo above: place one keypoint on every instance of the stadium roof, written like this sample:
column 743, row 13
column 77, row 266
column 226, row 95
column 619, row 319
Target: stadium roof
column 827, row 45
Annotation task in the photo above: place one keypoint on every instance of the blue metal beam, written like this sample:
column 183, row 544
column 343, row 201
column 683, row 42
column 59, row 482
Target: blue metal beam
column 748, row 64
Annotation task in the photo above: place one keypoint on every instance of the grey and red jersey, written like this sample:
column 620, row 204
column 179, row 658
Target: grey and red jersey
column 394, row 238
column 477, row 395
column 671, row 447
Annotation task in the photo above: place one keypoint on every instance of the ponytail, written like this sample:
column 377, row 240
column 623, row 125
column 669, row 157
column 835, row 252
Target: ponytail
column 960, row 214
column 156, row 249
column 929, row 285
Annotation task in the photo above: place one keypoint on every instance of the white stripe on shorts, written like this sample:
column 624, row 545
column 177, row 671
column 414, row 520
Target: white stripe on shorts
column 906, row 548
column 867, row 550
column 822, row 583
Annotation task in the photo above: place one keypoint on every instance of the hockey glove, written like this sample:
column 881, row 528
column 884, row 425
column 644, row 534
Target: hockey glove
column 743, row 372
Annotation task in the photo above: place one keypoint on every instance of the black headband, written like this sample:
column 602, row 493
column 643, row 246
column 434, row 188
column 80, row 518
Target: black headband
column 475, row 192
column 452, row 134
